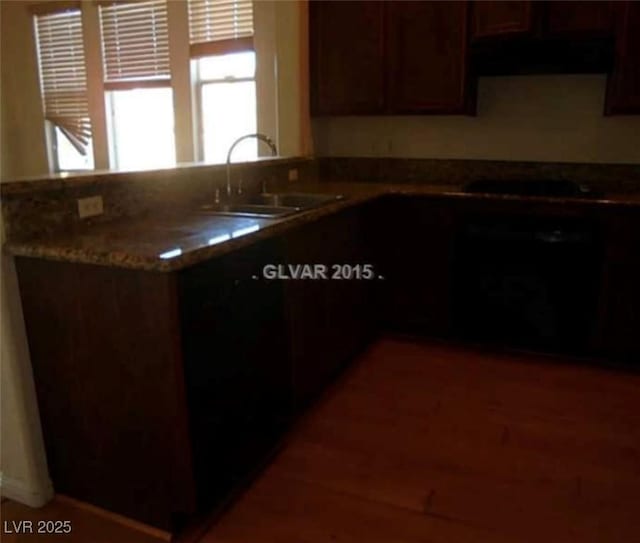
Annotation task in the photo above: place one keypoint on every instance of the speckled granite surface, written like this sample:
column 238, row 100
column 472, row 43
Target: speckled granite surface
column 609, row 178
column 44, row 207
column 151, row 220
column 183, row 173
column 167, row 241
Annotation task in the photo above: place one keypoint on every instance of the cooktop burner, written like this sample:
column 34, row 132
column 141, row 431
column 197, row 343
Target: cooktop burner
column 533, row 187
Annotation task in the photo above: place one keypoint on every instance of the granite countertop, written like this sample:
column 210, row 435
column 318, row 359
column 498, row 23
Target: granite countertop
column 169, row 241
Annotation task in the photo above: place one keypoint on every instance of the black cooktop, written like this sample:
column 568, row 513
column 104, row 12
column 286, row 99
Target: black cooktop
column 532, row 187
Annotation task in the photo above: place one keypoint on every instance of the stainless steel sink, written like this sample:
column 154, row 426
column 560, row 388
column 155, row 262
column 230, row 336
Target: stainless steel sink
column 297, row 200
column 248, row 210
column 271, row 205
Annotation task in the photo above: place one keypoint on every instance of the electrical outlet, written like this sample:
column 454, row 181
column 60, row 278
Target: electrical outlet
column 90, row 207
column 293, row 174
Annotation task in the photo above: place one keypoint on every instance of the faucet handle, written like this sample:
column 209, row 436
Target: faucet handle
column 216, row 196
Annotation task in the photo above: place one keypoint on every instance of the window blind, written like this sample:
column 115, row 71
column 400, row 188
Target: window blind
column 135, row 44
column 218, row 27
column 63, row 77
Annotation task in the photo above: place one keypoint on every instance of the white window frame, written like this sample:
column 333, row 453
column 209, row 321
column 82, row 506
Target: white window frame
column 109, row 108
column 198, row 86
column 112, row 128
column 52, row 151
column 186, row 87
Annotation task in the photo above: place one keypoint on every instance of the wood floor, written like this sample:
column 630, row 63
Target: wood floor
column 424, row 442
column 431, row 443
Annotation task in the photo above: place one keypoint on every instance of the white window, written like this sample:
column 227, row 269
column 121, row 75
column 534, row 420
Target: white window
column 141, row 128
column 139, row 100
column 221, row 44
column 137, row 80
column 227, row 100
column 67, row 157
column 63, row 84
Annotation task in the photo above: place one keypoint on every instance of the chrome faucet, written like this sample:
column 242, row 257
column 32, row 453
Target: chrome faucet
column 260, row 137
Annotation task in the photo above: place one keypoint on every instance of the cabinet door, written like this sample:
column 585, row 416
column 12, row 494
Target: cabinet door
column 329, row 320
column 578, row 18
column 308, row 315
column 236, row 365
column 106, row 364
column 427, row 57
column 347, row 57
column 350, row 301
column 620, row 300
column 623, row 90
column 415, row 239
column 495, row 19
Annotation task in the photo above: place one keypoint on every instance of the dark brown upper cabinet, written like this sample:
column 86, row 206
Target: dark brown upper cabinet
column 546, row 19
column 347, row 57
column 424, row 57
column 427, row 57
column 623, row 90
column 377, row 57
column 495, row 19
column 510, row 38
column 578, row 18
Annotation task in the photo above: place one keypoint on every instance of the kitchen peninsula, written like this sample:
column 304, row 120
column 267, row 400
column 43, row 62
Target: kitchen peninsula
column 162, row 329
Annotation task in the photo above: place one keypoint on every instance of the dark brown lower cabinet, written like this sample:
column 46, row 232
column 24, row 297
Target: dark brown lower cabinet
column 108, row 369
column 236, row 366
column 329, row 320
column 159, row 393
column 414, row 239
column 617, row 337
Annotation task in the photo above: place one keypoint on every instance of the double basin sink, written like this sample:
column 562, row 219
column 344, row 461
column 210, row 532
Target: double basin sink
column 271, row 205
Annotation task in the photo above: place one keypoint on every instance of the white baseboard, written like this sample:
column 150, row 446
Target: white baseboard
column 18, row 491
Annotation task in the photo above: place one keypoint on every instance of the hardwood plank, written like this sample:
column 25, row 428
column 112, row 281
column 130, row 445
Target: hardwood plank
column 429, row 442
column 432, row 442
column 280, row 509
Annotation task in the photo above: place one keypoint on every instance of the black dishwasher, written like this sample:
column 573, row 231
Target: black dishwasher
column 528, row 282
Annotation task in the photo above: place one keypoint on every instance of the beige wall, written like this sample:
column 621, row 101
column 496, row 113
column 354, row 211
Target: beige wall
column 539, row 118
column 292, row 76
column 23, row 466
column 22, row 463
column 23, row 149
